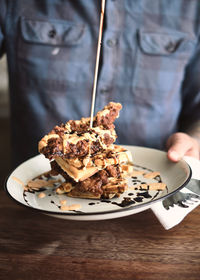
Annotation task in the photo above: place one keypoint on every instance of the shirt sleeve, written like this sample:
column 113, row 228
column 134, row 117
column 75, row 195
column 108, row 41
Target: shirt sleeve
column 190, row 112
column 2, row 26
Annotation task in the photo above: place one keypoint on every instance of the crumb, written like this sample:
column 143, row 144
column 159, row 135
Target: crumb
column 70, row 207
column 157, row 186
column 151, row 175
column 41, row 195
column 63, row 202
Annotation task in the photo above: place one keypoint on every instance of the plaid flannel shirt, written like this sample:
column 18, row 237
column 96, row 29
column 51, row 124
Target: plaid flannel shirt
column 150, row 63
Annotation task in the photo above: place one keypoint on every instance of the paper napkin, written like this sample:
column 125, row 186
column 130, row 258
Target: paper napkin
column 171, row 211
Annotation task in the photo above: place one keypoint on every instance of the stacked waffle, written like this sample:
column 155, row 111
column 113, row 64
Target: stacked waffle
column 92, row 166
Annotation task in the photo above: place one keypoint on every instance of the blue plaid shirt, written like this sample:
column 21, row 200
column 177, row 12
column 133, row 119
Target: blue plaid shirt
column 150, row 62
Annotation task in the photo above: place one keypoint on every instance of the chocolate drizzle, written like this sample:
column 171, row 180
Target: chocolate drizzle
column 127, row 201
column 25, row 198
column 53, row 202
column 144, row 194
column 138, row 199
column 139, row 195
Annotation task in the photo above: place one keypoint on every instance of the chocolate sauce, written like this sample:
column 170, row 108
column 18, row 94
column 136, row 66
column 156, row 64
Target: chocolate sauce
column 138, row 199
column 144, row 189
column 155, row 195
column 105, row 200
column 41, row 190
column 31, row 191
column 91, row 203
column 24, row 196
column 158, row 178
column 127, row 201
column 53, row 202
column 144, row 194
column 134, row 181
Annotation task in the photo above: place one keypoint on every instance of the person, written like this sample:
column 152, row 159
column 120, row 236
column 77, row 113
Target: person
column 150, row 61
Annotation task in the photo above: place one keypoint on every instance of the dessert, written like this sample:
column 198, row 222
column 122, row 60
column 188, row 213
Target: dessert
column 91, row 165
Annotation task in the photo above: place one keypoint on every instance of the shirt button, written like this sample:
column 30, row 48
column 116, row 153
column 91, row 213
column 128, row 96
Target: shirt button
column 111, row 42
column 104, row 90
column 170, row 47
column 52, row 33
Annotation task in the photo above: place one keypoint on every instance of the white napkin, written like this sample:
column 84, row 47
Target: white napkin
column 171, row 215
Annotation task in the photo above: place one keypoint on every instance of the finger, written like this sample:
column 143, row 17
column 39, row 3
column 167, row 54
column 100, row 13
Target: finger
column 180, row 144
column 173, row 156
column 194, row 152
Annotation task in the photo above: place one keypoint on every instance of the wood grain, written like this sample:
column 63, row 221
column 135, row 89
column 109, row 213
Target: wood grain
column 36, row 246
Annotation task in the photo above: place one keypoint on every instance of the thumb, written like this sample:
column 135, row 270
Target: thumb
column 178, row 145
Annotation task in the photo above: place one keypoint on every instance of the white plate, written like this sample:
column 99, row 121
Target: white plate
column 174, row 175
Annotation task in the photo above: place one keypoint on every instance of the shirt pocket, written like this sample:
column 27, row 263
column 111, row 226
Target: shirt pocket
column 51, row 52
column 161, row 58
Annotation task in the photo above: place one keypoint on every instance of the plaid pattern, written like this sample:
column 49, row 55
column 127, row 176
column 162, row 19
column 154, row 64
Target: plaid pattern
column 149, row 62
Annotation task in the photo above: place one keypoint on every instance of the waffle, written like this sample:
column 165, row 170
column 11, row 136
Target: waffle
column 89, row 166
column 92, row 166
column 109, row 191
column 75, row 173
column 76, row 139
column 95, row 187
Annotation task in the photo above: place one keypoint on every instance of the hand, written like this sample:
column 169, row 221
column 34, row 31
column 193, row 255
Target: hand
column 181, row 144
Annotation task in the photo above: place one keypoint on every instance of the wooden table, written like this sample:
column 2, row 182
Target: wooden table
column 36, row 246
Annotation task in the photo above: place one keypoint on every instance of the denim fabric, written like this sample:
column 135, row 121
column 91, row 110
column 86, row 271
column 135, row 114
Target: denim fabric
column 150, row 63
